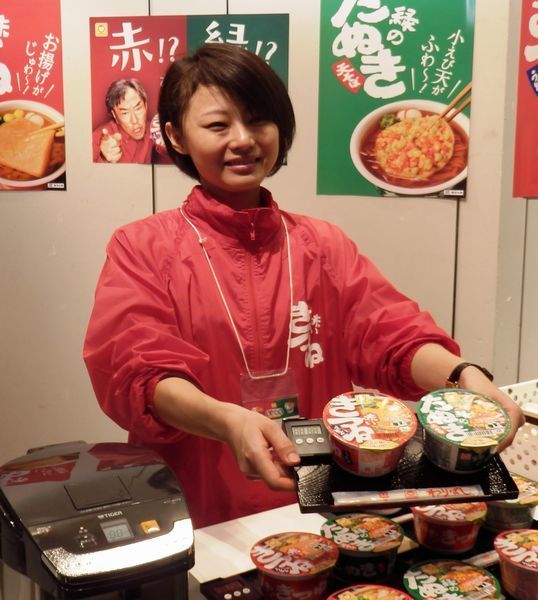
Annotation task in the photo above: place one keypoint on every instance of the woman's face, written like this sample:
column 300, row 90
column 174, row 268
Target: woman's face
column 232, row 150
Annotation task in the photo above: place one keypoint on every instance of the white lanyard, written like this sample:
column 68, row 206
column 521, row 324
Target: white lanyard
column 201, row 241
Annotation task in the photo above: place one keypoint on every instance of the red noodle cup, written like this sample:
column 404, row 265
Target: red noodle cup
column 294, row 565
column 518, row 556
column 462, row 429
column 516, row 513
column 369, row 592
column 367, row 546
column 368, row 431
column 448, row 528
column 441, row 579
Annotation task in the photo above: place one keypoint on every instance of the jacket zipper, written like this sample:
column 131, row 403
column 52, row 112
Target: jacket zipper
column 250, row 276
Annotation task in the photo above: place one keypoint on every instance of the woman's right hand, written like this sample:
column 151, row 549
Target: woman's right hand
column 262, row 449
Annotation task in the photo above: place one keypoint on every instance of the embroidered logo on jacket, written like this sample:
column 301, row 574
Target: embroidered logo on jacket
column 303, row 323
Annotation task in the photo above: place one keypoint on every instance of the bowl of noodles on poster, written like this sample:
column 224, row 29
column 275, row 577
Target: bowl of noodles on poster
column 407, row 148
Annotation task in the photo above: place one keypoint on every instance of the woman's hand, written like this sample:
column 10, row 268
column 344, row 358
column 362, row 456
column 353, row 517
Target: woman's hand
column 262, row 449
column 473, row 379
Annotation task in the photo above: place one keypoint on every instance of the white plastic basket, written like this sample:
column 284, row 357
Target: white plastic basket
column 521, row 456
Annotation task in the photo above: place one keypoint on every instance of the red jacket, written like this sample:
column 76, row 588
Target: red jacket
column 158, row 312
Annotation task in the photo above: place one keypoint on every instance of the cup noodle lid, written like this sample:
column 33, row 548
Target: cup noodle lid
column 369, row 592
column 465, row 512
column 440, row 579
column 363, row 533
column 369, row 420
column 463, row 418
column 294, row 554
column 519, row 547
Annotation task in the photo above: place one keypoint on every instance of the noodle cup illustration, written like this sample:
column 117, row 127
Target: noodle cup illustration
column 516, row 513
column 518, row 556
column 369, row 592
column 28, row 158
column 368, row 431
column 294, row 565
column 448, row 528
column 462, row 429
column 405, row 147
column 441, row 579
column 367, row 546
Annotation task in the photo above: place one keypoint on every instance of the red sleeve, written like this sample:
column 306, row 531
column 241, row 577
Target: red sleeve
column 383, row 327
column 133, row 338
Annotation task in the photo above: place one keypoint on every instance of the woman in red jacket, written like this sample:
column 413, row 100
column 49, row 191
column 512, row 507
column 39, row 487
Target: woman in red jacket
column 230, row 304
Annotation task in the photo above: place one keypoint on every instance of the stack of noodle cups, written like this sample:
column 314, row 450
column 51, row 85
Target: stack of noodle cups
column 517, row 513
column 369, row 592
column 518, row 558
column 367, row 545
column 441, row 579
column 448, row 528
column 294, row 565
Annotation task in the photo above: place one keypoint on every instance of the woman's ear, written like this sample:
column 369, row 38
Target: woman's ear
column 174, row 139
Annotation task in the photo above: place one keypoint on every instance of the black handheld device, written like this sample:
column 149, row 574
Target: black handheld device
column 310, row 438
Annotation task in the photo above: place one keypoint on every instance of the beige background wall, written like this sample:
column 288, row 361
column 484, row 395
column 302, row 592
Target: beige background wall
column 472, row 263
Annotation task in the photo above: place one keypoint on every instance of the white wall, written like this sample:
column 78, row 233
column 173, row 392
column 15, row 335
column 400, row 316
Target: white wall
column 52, row 244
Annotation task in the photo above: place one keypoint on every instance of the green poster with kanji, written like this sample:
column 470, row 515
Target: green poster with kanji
column 388, row 73
column 265, row 35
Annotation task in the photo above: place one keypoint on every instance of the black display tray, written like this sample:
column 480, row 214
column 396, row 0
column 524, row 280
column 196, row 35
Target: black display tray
column 415, row 481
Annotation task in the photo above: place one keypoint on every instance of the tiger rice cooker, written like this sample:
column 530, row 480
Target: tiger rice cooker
column 82, row 520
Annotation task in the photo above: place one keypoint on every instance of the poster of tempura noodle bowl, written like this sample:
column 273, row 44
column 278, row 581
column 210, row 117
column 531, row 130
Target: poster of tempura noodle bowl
column 406, row 148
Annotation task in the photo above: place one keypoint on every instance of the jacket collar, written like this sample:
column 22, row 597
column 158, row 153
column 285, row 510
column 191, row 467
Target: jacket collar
column 253, row 226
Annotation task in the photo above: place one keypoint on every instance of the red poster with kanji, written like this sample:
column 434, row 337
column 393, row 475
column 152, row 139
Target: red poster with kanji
column 129, row 57
column 31, row 96
column 526, row 141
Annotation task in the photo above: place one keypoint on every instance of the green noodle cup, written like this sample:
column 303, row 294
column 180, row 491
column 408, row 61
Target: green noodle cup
column 462, row 429
column 516, row 513
column 294, row 565
column 369, row 592
column 367, row 545
column 441, row 579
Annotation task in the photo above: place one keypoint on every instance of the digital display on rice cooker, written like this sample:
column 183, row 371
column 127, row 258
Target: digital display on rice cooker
column 117, row 531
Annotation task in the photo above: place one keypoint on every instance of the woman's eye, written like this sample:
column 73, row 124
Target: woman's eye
column 217, row 126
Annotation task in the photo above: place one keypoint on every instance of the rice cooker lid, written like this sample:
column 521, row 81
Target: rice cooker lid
column 463, row 418
column 363, row 533
column 465, row 512
column 369, row 420
column 294, row 554
column 519, row 547
column 441, row 578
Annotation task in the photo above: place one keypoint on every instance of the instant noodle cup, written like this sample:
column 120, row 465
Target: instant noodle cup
column 367, row 546
column 368, row 431
column 518, row 556
column 515, row 513
column 294, row 565
column 369, row 592
column 448, row 528
column 462, row 429
column 442, row 579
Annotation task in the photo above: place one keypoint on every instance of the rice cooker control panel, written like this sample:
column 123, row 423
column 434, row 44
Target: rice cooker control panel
column 310, row 438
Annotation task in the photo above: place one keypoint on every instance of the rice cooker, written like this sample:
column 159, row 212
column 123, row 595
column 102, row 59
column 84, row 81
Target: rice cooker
column 84, row 519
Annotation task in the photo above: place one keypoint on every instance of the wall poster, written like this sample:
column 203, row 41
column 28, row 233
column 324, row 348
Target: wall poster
column 526, row 141
column 129, row 57
column 388, row 71
column 32, row 132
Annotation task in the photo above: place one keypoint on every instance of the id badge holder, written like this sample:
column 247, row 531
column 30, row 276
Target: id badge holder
column 272, row 394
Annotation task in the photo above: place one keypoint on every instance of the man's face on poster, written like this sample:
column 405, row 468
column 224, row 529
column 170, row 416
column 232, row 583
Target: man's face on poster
column 130, row 114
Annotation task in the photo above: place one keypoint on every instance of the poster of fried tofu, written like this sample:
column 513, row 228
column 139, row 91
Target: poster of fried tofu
column 32, row 127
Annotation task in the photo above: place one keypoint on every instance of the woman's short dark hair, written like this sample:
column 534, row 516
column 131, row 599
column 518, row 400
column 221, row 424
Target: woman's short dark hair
column 117, row 90
column 241, row 75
